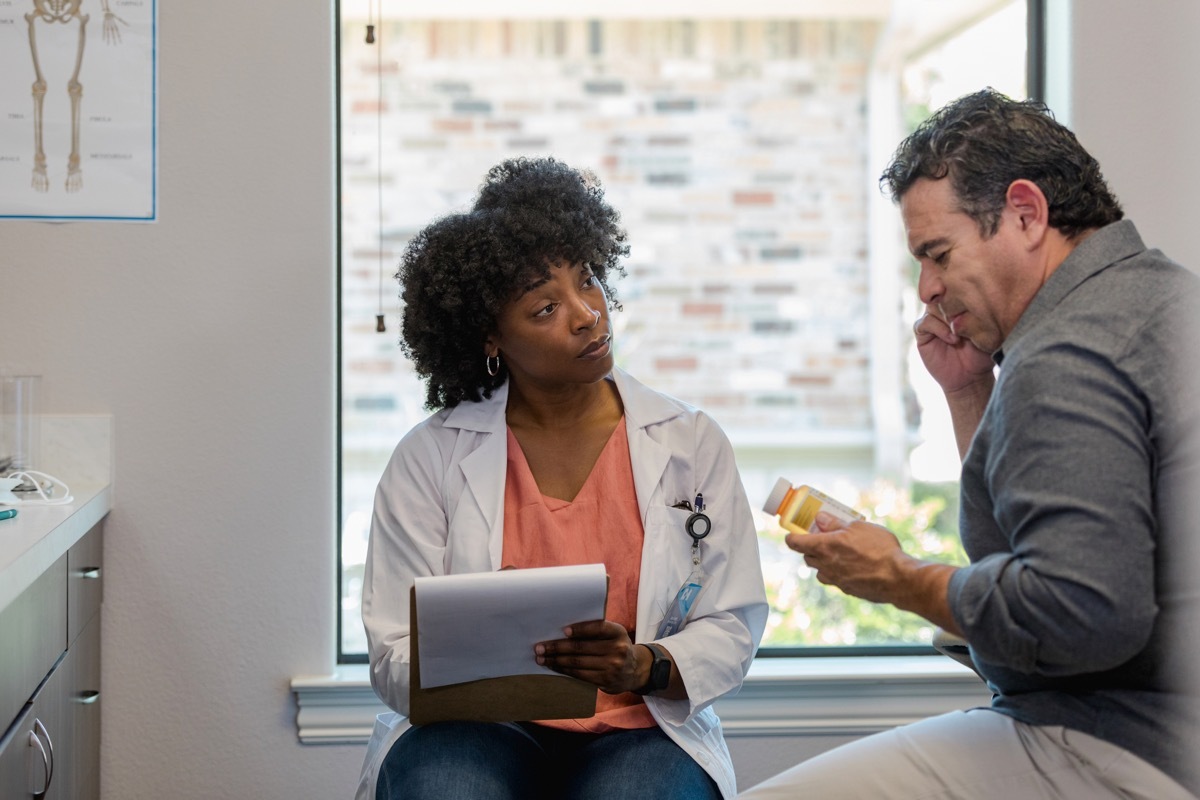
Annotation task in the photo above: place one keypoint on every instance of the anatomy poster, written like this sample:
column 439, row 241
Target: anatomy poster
column 78, row 110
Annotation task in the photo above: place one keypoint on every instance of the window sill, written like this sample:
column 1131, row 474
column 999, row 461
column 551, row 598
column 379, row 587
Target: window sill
column 851, row 696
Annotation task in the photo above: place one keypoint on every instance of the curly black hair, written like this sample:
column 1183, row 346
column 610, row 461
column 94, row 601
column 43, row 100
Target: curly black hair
column 460, row 271
column 985, row 141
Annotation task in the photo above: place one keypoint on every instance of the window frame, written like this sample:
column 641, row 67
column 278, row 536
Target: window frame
column 1035, row 68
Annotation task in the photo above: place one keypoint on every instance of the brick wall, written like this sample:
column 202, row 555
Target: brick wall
column 734, row 150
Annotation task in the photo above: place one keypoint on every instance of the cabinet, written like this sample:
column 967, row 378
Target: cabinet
column 50, row 689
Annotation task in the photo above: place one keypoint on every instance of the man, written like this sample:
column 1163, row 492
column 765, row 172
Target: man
column 1081, row 464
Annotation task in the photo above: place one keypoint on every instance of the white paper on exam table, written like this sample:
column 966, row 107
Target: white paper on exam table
column 485, row 624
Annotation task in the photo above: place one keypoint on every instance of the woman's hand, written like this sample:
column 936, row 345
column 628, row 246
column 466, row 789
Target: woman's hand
column 599, row 652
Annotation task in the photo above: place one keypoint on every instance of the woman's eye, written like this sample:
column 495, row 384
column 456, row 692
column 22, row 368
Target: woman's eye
column 589, row 281
column 545, row 312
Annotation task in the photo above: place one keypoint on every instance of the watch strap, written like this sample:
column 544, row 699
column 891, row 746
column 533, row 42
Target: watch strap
column 660, row 670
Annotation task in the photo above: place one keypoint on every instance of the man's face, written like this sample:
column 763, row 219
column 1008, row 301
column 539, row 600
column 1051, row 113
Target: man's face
column 980, row 287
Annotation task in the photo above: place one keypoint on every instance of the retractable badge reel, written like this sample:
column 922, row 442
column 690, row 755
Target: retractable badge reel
column 697, row 526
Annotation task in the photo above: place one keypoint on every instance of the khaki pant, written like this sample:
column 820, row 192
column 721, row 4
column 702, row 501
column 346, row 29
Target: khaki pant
column 972, row 755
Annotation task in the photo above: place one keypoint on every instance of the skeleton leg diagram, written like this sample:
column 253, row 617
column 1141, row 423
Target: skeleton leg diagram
column 62, row 12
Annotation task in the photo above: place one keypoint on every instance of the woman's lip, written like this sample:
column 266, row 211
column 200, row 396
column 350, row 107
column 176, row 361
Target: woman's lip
column 597, row 349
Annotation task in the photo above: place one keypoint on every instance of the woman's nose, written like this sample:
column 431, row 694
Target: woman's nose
column 589, row 317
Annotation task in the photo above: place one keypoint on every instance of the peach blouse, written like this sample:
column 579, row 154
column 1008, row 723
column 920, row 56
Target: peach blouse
column 601, row 525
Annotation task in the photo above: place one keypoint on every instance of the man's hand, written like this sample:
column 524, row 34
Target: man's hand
column 861, row 559
column 598, row 652
column 865, row 560
column 962, row 370
column 955, row 363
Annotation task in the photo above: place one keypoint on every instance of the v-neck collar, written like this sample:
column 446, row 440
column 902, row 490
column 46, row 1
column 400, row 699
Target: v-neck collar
column 585, row 491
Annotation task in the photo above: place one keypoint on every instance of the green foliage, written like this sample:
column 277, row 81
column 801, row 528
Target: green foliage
column 806, row 613
column 914, row 114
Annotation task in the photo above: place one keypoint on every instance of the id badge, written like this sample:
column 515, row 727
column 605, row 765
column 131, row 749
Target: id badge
column 684, row 603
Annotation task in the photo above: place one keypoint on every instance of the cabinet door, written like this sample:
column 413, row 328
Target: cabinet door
column 33, row 630
column 49, row 709
column 85, row 580
column 64, row 716
column 15, row 755
column 36, row 755
column 82, row 707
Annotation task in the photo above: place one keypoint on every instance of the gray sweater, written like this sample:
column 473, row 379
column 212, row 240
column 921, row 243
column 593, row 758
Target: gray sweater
column 1079, row 506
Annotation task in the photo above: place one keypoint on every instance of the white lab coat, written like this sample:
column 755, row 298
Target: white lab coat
column 439, row 509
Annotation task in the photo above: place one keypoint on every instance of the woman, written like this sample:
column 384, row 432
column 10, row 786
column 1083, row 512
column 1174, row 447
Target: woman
column 543, row 454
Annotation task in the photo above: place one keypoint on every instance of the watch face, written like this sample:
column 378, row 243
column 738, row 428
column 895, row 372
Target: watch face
column 660, row 673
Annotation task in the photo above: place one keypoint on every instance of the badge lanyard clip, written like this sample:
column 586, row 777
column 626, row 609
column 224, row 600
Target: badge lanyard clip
column 697, row 526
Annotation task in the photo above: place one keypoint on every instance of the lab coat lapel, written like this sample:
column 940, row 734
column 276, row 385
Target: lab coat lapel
column 484, row 470
column 650, row 458
column 644, row 408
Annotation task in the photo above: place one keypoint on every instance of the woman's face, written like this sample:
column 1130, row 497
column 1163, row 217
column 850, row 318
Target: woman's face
column 556, row 330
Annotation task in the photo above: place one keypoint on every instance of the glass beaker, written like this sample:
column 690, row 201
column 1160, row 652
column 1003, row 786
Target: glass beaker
column 20, row 423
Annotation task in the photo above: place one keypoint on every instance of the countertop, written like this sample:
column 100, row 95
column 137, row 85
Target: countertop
column 31, row 542
column 77, row 450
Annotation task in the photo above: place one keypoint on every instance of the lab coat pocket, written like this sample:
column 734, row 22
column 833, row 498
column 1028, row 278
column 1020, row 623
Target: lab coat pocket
column 666, row 554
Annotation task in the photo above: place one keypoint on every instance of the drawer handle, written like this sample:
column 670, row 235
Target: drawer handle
column 88, row 697
column 47, row 763
column 34, row 741
column 91, row 573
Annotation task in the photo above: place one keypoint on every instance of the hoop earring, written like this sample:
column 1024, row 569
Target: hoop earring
column 492, row 370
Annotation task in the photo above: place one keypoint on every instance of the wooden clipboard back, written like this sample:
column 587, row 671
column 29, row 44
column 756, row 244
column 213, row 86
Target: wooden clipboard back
column 514, row 698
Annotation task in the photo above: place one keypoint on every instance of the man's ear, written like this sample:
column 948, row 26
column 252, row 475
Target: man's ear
column 1028, row 207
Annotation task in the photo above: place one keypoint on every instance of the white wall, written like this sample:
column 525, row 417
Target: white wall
column 1135, row 105
column 209, row 337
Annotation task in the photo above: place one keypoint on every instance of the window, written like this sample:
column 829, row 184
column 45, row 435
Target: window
column 767, row 282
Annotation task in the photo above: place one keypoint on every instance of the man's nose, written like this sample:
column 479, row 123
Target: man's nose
column 929, row 285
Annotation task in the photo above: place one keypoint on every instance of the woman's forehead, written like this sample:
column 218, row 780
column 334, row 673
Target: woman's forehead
column 538, row 276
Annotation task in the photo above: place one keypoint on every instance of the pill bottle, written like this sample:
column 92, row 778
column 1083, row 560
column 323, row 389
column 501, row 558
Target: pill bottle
column 798, row 506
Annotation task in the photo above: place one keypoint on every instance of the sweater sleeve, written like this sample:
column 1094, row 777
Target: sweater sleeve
column 1058, row 496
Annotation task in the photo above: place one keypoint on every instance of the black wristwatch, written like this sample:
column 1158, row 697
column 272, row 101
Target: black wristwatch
column 660, row 670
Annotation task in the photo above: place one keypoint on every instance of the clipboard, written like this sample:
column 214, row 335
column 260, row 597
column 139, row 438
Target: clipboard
column 513, row 698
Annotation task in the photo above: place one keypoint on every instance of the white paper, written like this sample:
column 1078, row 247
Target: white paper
column 484, row 625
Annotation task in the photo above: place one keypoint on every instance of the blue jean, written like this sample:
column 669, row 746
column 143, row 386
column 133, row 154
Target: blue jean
column 522, row 761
